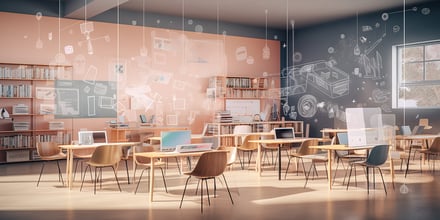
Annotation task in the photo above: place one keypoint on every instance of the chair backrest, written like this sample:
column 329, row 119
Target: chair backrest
column 304, row 148
column 210, row 164
column 47, row 149
column 378, row 155
column 143, row 160
column 242, row 129
column 232, row 154
column 249, row 145
column 106, row 155
column 418, row 129
column 435, row 145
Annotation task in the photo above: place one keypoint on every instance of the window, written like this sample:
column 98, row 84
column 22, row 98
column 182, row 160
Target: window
column 416, row 75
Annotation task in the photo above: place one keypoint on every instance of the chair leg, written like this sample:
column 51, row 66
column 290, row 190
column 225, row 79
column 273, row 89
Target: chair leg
column 287, row 169
column 84, row 176
column 117, row 181
column 41, row 172
column 59, row 172
column 184, row 190
column 349, row 176
column 139, row 181
column 128, row 175
column 383, row 182
column 164, row 182
column 227, row 187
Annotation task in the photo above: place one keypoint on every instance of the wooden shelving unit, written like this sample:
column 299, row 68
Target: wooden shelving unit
column 26, row 92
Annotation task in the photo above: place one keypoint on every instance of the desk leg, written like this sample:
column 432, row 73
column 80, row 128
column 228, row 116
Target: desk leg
column 151, row 178
column 279, row 162
column 407, row 162
column 258, row 165
column 329, row 168
column 69, row 166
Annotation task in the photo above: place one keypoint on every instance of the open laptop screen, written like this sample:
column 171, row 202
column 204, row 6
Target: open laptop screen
column 170, row 139
column 284, row 133
column 92, row 137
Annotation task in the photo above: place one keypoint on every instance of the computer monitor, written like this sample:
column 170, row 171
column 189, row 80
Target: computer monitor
column 92, row 137
column 284, row 133
column 170, row 139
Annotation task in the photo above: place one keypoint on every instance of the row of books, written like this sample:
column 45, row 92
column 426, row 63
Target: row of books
column 25, row 72
column 27, row 141
column 246, row 83
column 16, row 91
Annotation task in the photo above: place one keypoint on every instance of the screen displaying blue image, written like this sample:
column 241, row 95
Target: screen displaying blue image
column 170, row 139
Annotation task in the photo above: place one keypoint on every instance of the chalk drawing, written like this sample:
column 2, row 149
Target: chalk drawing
column 307, row 106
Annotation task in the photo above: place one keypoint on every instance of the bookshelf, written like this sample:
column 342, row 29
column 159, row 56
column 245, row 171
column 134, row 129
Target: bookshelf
column 27, row 102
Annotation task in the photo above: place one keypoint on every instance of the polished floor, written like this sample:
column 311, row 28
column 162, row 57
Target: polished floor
column 255, row 197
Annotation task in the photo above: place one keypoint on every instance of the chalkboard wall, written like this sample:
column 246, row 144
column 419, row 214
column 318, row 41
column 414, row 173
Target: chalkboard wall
column 348, row 63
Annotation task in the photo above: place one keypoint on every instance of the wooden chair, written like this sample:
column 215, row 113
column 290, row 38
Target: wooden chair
column 81, row 156
column 210, row 165
column 146, row 163
column 103, row 156
column 49, row 151
column 247, row 147
column 305, row 152
column 432, row 152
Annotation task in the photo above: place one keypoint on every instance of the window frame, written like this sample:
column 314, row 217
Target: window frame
column 397, row 64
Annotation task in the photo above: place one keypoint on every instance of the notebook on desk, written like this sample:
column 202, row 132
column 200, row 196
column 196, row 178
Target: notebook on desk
column 284, row 133
column 186, row 148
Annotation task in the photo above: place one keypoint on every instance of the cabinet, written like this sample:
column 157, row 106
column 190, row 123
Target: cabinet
column 27, row 94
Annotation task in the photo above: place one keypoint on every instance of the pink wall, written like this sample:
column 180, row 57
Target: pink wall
column 165, row 71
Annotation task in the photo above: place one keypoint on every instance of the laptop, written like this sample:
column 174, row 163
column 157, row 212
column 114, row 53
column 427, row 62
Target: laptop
column 170, row 139
column 284, row 133
column 92, row 137
column 418, row 129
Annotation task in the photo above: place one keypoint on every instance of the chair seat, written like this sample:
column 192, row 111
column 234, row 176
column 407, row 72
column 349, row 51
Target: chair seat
column 59, row 156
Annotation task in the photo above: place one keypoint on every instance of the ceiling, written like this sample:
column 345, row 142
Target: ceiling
column 280, row 13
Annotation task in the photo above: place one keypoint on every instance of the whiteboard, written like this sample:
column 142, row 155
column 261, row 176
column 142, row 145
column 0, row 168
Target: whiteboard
column 243, row 107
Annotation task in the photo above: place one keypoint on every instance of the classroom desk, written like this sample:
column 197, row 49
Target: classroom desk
column 425, row 138
column 69, row 160
column 155, row 140
column 330, row 149
column 280, row 142
column 157, row 155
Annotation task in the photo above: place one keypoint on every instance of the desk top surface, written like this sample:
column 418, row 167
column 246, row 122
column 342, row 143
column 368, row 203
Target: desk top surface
column 340, row 147
column 76, row 146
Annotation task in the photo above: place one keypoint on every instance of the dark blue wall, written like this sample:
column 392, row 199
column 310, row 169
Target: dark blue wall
column 331, row 47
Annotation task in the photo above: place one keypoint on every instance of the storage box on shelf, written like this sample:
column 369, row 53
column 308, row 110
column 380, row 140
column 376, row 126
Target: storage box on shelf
column 20, row 86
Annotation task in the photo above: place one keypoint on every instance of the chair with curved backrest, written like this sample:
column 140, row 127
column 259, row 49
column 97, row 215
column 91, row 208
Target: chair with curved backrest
column 49, row 151
column 305, row 152
column 103, row 156
column 376, row 158
column 232, row 156
column 81, row 156
column 146, row 163
column 432, row 151
column 241, row 129
column 247, row 147
column 269, row 148
column 210, row 165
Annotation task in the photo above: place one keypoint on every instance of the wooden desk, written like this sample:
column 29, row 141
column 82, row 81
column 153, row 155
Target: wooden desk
column 330, row 149
column 156, row 155
column 280, row 142
column 71, row 148
column 425, row 138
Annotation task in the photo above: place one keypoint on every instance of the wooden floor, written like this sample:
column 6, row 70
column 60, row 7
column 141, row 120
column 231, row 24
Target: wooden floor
column 254, row 197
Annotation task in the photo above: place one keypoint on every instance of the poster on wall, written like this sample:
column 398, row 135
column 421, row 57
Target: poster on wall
column 82, row 99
